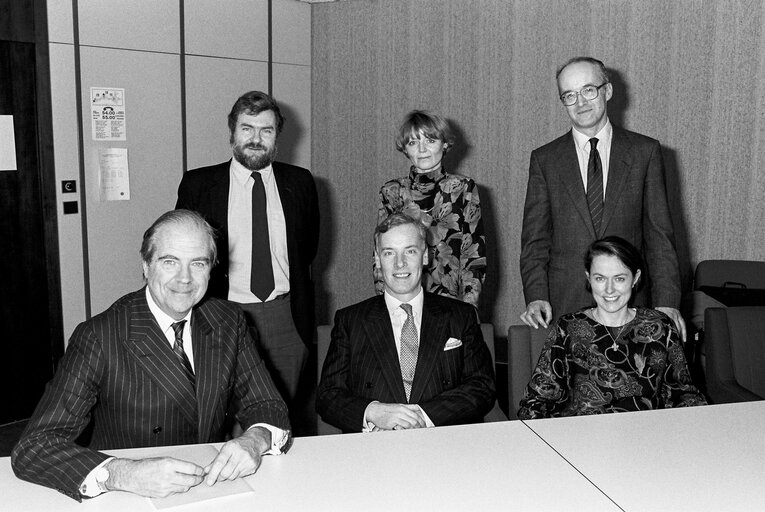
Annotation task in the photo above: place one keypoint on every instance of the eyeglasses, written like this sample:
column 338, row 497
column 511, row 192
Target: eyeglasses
column 588, row 92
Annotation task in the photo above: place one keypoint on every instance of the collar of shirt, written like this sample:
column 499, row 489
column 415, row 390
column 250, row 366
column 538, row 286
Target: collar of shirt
column 582, row 143
column 165, row 322
column 394, row 306
column 241, row 174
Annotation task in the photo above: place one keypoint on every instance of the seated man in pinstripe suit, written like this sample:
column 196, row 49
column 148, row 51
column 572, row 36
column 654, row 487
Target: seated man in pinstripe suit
column 405, row 359
column 145, row 380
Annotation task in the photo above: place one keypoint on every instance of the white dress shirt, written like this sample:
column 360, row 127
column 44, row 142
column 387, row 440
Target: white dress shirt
column 240, row 234
column 582, row 143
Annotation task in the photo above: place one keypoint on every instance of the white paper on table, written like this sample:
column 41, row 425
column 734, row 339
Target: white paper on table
column 113, row 174
column 200, row 455
column 7, row 144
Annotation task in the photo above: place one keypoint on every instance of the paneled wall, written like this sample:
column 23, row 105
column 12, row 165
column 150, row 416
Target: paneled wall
column 688, row 72
column 182, row 65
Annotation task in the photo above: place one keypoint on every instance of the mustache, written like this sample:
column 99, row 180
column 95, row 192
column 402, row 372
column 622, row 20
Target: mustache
column 255, row 146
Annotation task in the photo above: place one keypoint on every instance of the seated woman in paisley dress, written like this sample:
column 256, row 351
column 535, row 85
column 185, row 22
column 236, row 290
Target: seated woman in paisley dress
column 611, row 357
column 447, row 204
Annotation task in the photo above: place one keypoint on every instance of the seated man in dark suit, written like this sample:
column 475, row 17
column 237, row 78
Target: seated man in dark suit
column 405, row 359
column 146, row 381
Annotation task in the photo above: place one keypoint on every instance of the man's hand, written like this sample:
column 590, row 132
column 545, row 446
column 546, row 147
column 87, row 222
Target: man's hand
column 676, row 318
column 239, row 457
column 395, row 416
column 538, row 312
column 156, row 478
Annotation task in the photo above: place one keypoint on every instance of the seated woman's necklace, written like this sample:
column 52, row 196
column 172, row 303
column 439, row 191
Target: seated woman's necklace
column 614, row 344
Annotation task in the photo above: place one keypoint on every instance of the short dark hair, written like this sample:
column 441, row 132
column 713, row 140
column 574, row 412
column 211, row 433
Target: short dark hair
column 589, row 60
column 188, row 217
column 430, row 125
column 621, row 249
column 253, row 103
column 400, row 219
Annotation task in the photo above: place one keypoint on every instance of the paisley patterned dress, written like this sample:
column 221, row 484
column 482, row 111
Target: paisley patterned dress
column 588, row 368
column 449, row 206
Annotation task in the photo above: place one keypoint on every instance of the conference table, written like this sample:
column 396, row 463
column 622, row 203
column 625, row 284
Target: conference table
column 703, row 458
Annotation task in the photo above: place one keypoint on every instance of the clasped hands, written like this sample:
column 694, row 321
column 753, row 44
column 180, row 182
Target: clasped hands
column 162, row 476
column 395, row 416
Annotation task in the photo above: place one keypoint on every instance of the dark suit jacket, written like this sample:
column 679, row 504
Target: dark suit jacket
column 453, row 387
column 205, row 190
column 120, row 370
column 557, row 228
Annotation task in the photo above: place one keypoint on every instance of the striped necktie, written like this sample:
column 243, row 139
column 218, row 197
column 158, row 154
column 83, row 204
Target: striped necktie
column 180, row 353
column 595, row 186
column 409, row 347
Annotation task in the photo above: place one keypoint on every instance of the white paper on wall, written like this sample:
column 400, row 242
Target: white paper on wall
column 107, row 108
column 113, row 174
column 7, row 144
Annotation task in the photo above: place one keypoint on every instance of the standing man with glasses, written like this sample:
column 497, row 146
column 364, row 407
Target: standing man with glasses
column 596, row 180
column 266, row 217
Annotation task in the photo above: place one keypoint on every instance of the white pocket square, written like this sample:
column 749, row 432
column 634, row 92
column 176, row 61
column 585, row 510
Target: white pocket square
column 452, row 343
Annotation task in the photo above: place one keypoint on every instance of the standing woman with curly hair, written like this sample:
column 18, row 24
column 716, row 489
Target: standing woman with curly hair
column 447, row 204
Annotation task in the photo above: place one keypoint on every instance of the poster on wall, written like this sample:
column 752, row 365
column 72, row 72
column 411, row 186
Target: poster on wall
column 107, row 107
column 7, row 144
column 113, row 174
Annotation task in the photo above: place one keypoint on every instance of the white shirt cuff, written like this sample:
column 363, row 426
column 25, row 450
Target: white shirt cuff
column 89, row 487
column 279, row 438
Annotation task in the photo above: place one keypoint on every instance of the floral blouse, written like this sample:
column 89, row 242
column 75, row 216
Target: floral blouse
column 449, row 205
column 588, row 368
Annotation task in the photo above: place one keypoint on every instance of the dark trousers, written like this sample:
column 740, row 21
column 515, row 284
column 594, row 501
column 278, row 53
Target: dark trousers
column 278, row 342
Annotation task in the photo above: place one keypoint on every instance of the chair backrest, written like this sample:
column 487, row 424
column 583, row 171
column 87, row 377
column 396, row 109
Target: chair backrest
column 323, row 338
column 487, row 331
column 524, row 346
column 735, row 339
column 719, row 272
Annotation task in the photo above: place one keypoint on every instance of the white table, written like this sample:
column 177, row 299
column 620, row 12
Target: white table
column 696, row 459
column 495, row 466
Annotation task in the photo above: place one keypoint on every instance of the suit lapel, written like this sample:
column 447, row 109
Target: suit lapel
column 152, row 352
column 287, row 198
column 433, row 335
column 567, row 170
column 380, row 333
column 207, row 365
column 619, row 166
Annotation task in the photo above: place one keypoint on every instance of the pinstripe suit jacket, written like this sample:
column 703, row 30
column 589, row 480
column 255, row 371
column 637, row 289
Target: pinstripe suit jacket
column 557, row 227
column 453, row 387
column 120, row 371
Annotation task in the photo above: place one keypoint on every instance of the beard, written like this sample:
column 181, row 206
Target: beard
column 254, row 161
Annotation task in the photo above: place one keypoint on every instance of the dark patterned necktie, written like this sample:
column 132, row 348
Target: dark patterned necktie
column 261, row 271
column 409, row 346
column 595, row 185
column 180, row 353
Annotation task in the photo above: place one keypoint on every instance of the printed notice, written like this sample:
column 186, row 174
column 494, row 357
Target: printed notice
column 107, row 107
column 7, row 144
column 113, row 174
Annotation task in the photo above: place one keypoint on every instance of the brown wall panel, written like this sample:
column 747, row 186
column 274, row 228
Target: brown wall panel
column 686, row 72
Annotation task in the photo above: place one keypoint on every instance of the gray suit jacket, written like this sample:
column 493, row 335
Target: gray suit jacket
column 557, row 228
column 120, row 370
column 453, row 386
